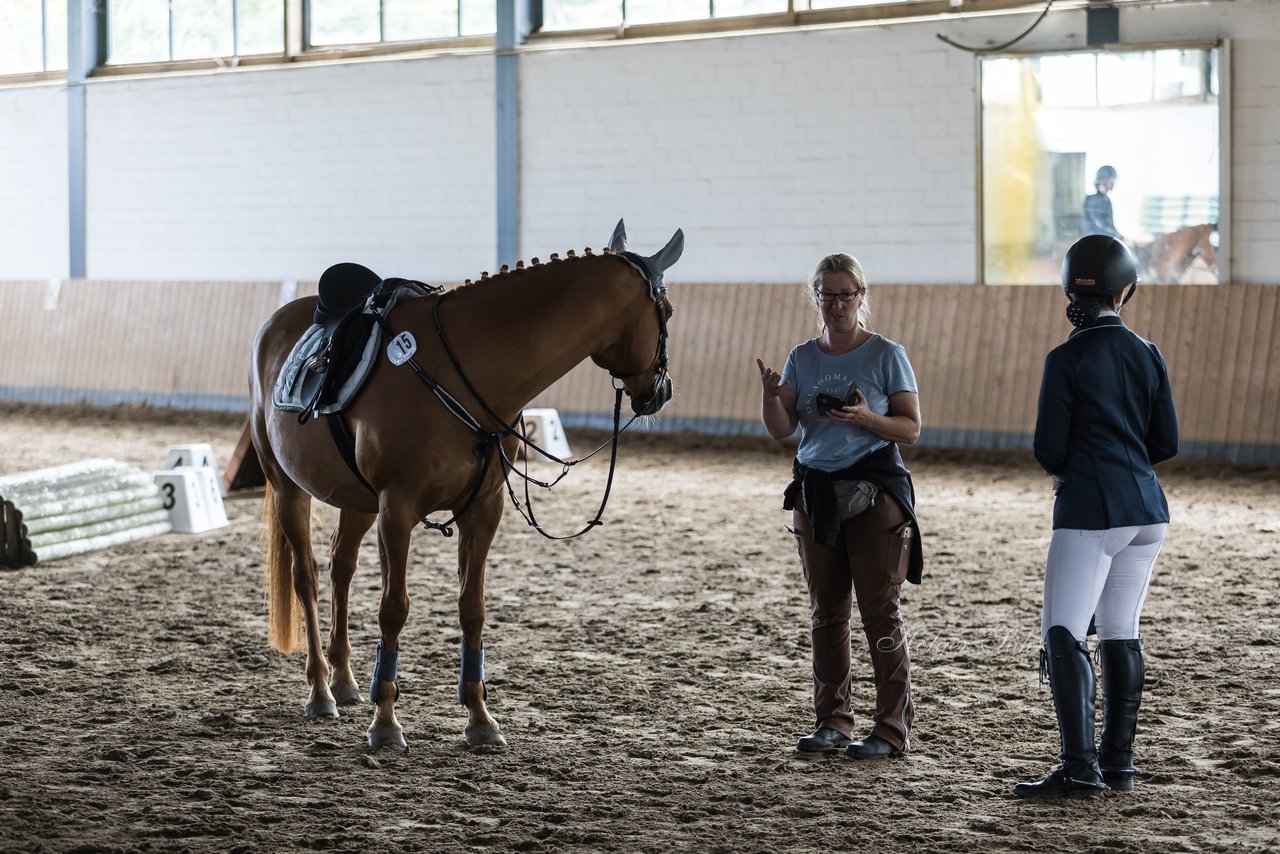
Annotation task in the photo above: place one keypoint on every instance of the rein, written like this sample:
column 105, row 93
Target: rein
column 491, row 440
column 508, row 466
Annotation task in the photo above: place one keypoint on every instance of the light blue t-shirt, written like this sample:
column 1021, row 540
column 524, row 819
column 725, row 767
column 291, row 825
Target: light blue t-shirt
column 879, row 367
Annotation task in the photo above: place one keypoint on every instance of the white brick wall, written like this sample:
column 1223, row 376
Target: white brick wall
column 33, row 182
column 769, row 149
column 277, row 173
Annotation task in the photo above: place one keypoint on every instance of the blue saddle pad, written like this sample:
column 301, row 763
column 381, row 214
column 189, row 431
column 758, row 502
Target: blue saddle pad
column 330, row 363
column 297, row 385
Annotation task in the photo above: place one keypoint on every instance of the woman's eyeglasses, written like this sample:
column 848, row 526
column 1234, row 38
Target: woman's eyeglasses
column 843, row 296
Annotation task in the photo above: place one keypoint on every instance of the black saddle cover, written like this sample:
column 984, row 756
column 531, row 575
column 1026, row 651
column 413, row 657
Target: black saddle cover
column 331, row 361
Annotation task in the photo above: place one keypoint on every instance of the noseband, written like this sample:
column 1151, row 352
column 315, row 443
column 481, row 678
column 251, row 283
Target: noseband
column 656, row 293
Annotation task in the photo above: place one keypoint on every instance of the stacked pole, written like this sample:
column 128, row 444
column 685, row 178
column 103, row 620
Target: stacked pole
column 75, row 508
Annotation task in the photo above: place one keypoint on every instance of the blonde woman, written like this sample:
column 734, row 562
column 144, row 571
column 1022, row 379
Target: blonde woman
column 852, row 394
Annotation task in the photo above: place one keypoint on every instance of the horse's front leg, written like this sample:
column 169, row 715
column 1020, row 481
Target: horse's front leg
column 477, row 527
column 394, row 530
column 344, row 549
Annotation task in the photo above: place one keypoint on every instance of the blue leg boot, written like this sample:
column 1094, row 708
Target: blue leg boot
column 384, row 670
column 472, row 670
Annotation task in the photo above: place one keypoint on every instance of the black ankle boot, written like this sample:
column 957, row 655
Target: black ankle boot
column 1072, row 682
column 1123, row 671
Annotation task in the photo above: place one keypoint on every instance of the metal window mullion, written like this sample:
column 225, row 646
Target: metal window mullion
column 382, row 20
column 169, row 6
column 458, row 22
column 235, row 28
column 297, row 35
column 980, row 258
column 1225, row 236
column 44, row 35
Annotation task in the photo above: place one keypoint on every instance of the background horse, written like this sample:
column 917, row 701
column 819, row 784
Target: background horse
column 1167, row 259
column 493, row 345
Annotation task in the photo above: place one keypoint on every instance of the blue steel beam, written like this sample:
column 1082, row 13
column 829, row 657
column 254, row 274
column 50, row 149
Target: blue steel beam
column 516, row 20
column 86, row 50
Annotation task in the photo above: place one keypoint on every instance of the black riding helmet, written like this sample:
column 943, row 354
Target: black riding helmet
column 1098, row 265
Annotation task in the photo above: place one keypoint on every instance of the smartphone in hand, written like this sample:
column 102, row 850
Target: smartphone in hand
column 827, row 402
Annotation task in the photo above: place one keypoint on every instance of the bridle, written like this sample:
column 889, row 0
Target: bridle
column 658, row 295
column 491, row 440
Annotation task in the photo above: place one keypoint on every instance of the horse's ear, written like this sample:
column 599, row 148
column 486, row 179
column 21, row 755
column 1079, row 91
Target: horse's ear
column 618, row 240
column 669, row 254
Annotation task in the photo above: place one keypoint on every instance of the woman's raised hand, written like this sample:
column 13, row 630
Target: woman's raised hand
column 770, row 380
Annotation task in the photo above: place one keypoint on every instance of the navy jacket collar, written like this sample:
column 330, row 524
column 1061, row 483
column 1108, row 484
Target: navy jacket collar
column 1102, row 321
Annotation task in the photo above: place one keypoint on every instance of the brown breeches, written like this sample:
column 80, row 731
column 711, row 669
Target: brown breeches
column 869, row 562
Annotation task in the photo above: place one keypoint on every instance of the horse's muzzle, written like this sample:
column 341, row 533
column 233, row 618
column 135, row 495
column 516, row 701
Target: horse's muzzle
column 657, row 397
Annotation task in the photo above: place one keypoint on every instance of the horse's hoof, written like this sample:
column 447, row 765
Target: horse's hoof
column 346, row 695
column 386, row 737
column 322, row 709
column 484, row 736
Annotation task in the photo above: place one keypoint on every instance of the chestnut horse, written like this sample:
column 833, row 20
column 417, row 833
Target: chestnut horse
column 491, row 346
column 1168, row 258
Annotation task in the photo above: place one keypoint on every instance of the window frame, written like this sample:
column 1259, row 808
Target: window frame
column 1222, row 45
column 296, row 49
column 234, row 59
column 383, row 45
column 45, row 73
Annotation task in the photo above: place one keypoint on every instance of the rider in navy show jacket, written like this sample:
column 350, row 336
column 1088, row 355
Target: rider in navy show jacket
column 1105, row 418
column 1101, row 435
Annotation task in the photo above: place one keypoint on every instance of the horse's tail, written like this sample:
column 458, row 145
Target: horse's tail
column 284, row 614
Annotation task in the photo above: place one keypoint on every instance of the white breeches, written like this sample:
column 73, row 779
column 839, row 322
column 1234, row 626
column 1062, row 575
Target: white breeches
column 1099, row 574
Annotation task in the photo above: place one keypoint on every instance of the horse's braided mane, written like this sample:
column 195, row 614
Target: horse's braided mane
column 520, row 266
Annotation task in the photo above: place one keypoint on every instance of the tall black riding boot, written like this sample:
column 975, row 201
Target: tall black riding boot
column 1123, row 671
column 1072, row 683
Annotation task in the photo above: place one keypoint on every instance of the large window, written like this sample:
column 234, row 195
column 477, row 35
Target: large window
column 33, row 33
column 586, row 14
column 163, row 30
column 343, row 22
column 1115, row 142
column 33, row 36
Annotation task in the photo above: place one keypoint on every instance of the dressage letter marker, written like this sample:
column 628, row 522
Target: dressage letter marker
column 185, row 492
column 543, row 428
column 200, row 456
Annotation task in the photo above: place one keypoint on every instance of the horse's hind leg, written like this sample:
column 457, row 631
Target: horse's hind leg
column 344, row 549
column 394, row 530
column 477, row 527
column 293, row 510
